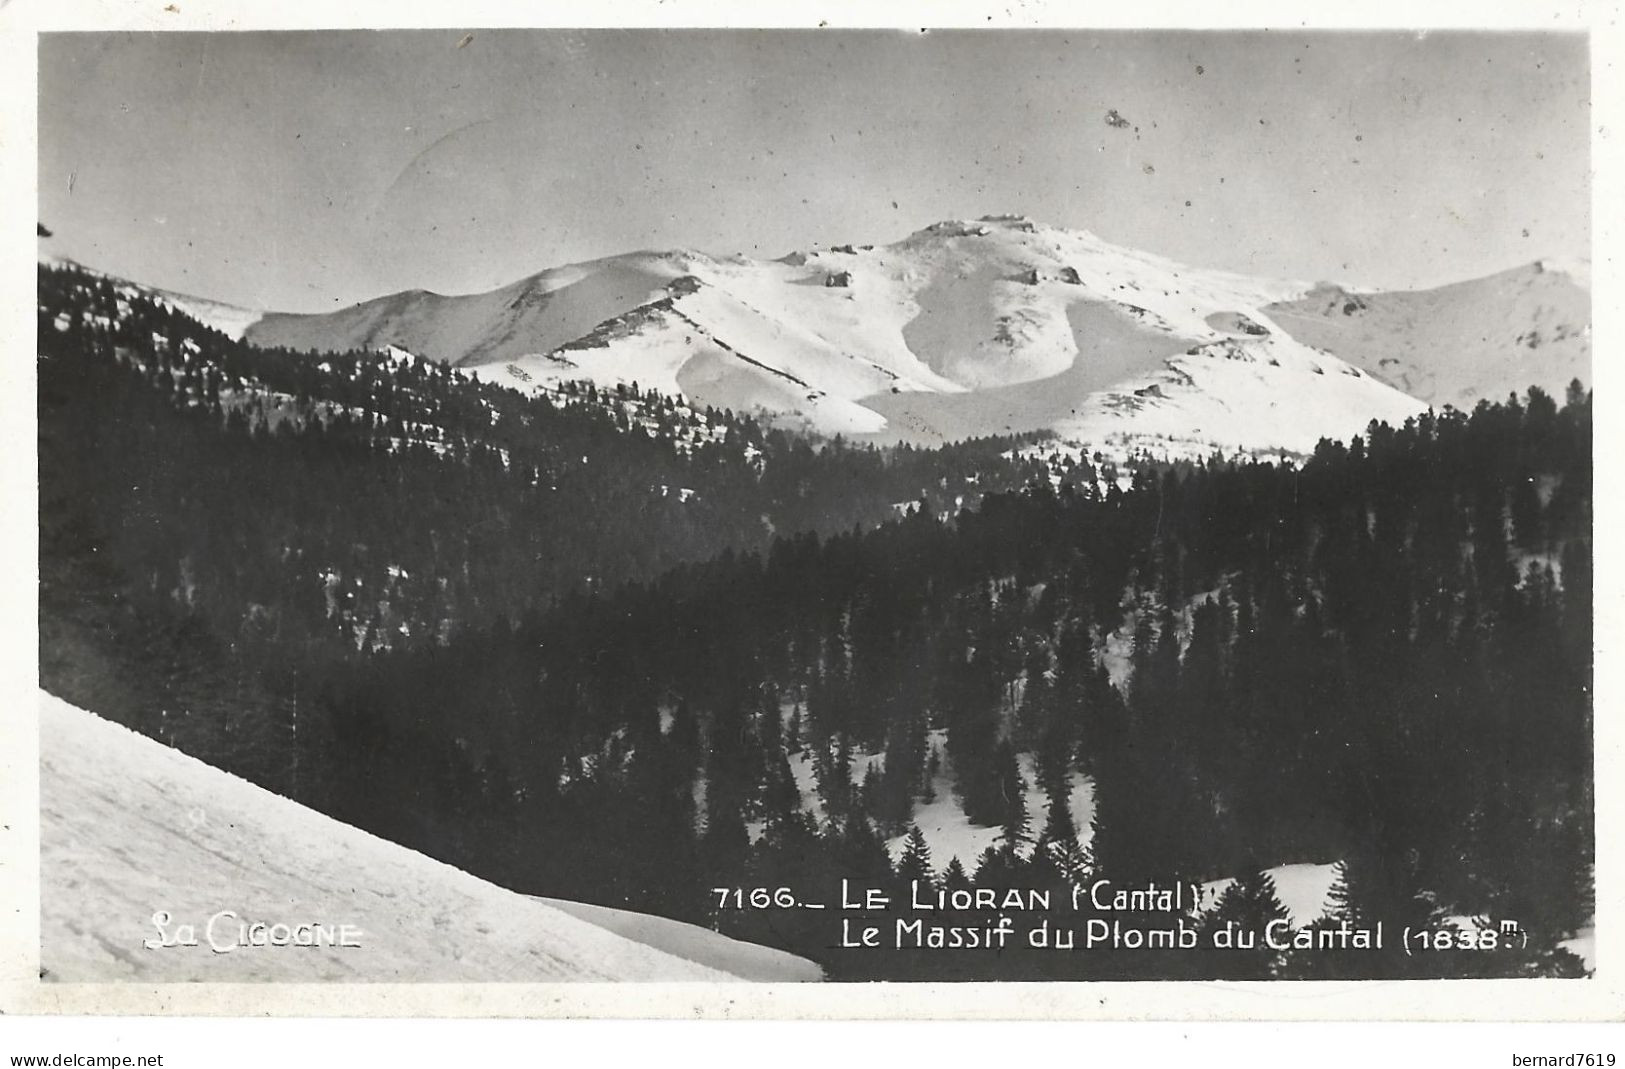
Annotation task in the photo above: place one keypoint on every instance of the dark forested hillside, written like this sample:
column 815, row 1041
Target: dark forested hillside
column 204, row 501
column 493, row 628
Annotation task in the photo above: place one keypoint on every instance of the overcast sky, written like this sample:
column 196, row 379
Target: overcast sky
column 306, row 171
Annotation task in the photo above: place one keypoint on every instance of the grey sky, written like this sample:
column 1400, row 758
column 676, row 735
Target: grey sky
column 304, row 171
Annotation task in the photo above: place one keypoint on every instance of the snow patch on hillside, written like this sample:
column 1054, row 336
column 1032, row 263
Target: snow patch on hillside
column 229, row 319
column 1303, row 888
column 950, row 834
column 1584, row 945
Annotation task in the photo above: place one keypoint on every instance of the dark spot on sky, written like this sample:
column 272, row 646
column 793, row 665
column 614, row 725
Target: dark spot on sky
column 1199, row 69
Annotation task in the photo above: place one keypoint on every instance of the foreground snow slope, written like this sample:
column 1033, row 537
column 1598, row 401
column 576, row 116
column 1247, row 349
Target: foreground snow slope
column 129, row 827
column 744, row 960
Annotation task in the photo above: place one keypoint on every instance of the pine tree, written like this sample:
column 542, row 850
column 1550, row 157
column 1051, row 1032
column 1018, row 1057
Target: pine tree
column 869, row 792
column 1244, row 913
column 792, row 732
column 915, row 864
column 1016, row 833
column 1059, row 828
column 1375, row 886
column 954, row 877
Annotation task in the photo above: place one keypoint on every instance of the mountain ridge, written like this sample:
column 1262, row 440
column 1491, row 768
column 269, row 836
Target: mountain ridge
column 990, row 326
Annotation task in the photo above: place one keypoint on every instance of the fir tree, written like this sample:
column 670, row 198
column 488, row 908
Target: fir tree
column 1016, row 833
column 954, row 877
column 1242, row 918
column 915, row 864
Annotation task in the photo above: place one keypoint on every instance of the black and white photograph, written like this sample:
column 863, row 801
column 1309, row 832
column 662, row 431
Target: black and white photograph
column 807, row 505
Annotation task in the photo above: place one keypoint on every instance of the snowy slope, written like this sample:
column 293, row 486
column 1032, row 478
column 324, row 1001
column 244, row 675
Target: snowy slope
column 1584, row 945
column 1462, row 343
column 229, row 319
column 129, row 827
column 1304, row 889
column 948, row 832
column 744, row 960
column 1261, row 396
column 995, row 325
column 533, row 315
column 990, row 326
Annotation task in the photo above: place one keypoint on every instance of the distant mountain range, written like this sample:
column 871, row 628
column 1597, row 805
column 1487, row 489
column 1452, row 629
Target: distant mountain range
column 990, row 326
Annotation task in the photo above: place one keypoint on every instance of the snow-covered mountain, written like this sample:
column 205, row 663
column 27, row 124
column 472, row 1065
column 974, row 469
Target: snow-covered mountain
column 1463, row 343
column 129, row 827
column 995, row 325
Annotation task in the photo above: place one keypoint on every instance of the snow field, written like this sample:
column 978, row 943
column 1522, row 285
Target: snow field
column 130, row 828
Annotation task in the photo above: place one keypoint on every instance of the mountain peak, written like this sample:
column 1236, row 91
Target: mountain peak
column 979, row 227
